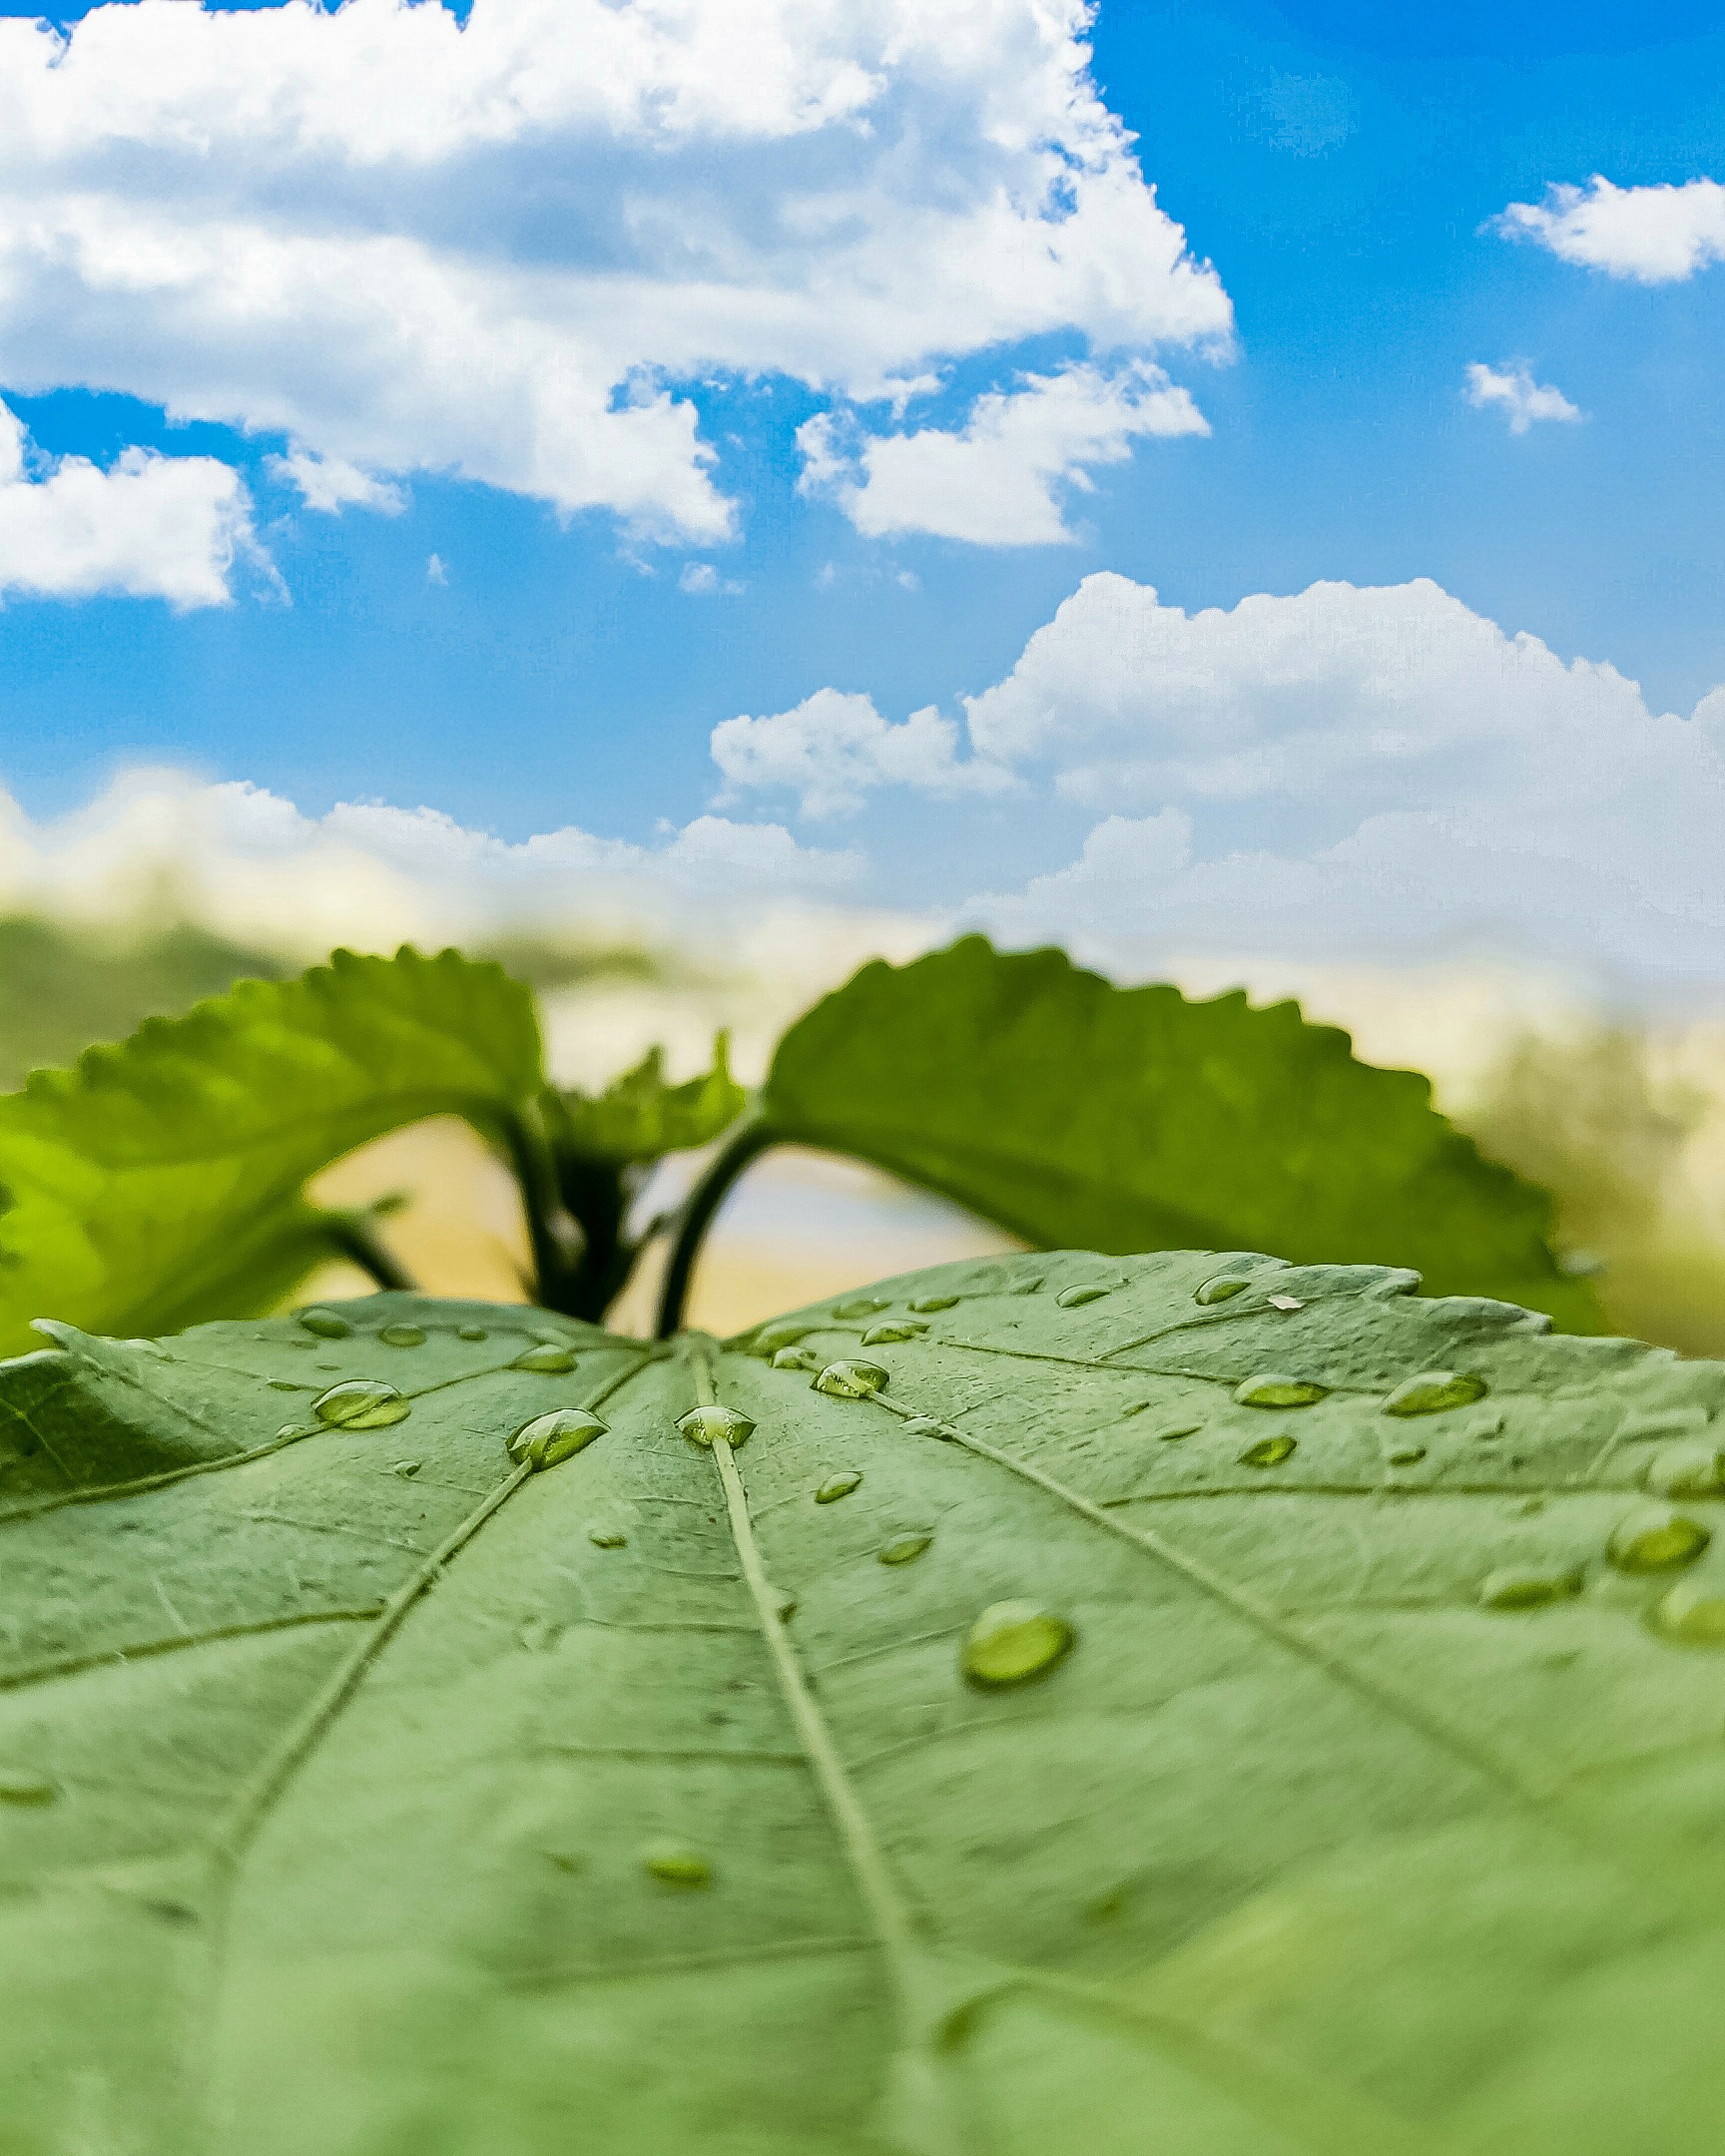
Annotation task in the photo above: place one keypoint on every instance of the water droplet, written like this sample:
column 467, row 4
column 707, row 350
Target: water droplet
column 852, row 1380
column 326, row 1324
column 677, row 1865
column 361, row 1404
column 1268, row 1453
column 903, row 1549
column 1219, row 1289
column 861, row 1306
column 471, row 1332
column 925, row 1426
column 607, row 1537
column 402, row 1336
column 1176, row 1430
column 770, row 1337
column 1270, row 1390
column 284, row 1385
column 405, row 1468
column 1137, row 1407
column 803, row 1358
column 1026, row 1286
column 838, row 1485
column 1435, row 1392
column 1012, row 1642
column 1693, row 1612
column 1686, row 1470
column 929, row 1303
column 539, row 1635
column 787, row 1608
column 1076, row 1298
column 292, row 1429
column 19, row 1785
column 1405, row 1455
column 555, row 1360
column 552, row 1438
column 895, row 1329
column 1521, row 1587
column 707, row 1425
column 1283, row 1302
column 1656, row 1539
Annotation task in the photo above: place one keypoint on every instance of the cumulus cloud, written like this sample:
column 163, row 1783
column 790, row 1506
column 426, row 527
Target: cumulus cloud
column 1521, row 399
column 149, row 526
column 331, row 484
column 499, row 249
column 1001, row 478
column 834, row 748
column 1654, row 235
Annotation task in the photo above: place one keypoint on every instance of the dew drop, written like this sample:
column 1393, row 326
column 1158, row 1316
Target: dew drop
column 1076, row 1298
column 1176, row 1430
column 770, row 1337
column 903, row 1549
column 550, row 1438
column 1435, row 1392
column 361, row 1404
column 1405, row 1455
column 1268, row 1453
column 676, row 1863
column 707, row 1425
column 1656, row 1539
column 292, row 1429
column 607, row 1537
column 1012, row 1642
column 837, row 1485
column 284, row 1385
column 800, row 1359
column 471, row 1332
column 1222, row 1288
column 1521, row 1587
column 555, row 1360
column 405, row 1468
column 852, row 1380
column 402, row 1336
column 861, row 1306
column 19, row 1785
column 1285, row 1302
column 895, row 1329
column 1270, row 1390
column 929, row 1304
column 326, row 1324
column 926, row 1425
column 1026, row 1286
column 1686, row 1470
column 1693, row 1613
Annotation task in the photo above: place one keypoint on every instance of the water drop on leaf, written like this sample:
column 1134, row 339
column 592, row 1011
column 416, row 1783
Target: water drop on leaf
column 895, row 1329
column 770, row 1337
column 1656, row 1539
column 361, row 1404
column 931, row 1302
column 852, row 1380
column 19, row 1785
column 1686, row 1470
column 838, row 1485
column 1693, row 1613
column 861, row 1306
column 677, row 1865
column 1434, row 1393
column 550, row 1438
column 402, row 1336
column 555, row 1360
column 706, row 1425
column 799, row 1359
column 1012, row 1642
column 926, row 1425
column 1285, row 1303
column 1270, row 1390
column 1222, row 1288
column 326, row 1324
column 903, row 1549
column 1176, row 1430
column 607, row 1537
column 471, row 1332
column 1076, row 1298
column 1523, row 1587
column 1268, row 1453
column 405, row 1468
column 1407, row 1455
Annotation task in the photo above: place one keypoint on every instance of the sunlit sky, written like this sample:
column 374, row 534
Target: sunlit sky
column 1233, row 475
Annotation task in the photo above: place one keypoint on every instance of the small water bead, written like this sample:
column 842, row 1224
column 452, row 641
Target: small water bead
column 607, row 1537
column 676, row 1863
column 1285, row 1303
column 838, row 1485
column 1435, row 1392
column 770, row 1337
column 1269, row 1452
column 796, row 1358
column 1026, row 1286
column 405, row 1468
column 552, row 1438
column 1076, row 1298
column 554, row 1361
column 852, row 1380
column 27, row 1789
column 927, row 1425
column 1272, row 1389
column 1222, row 1288
column 402, row 1336
column 471, row 1332
column 861, row 1306
column 903, row 1549
column 292, row 1429
column 326, row 1324
column 1012, row 1642
column 1656, row 1539
column 1686, row 1470
column 284, row 1385
column 895, row 1329
column 929, row 1304
column 1405, row 1455
column 1177, row 1431
column 361, row 1404
column 1525, row 1587
column 1692, row 1613
column 708, row 1425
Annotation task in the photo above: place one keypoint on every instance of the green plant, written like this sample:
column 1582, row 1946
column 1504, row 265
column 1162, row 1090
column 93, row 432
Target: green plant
column 162, row 1182
column 1065, row 1706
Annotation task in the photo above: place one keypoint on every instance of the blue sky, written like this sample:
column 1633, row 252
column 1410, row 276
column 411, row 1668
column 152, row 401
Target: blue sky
column 494, row 651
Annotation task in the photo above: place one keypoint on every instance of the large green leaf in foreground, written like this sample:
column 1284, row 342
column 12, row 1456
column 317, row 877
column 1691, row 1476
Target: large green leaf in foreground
column 1075, row 1112
column 159, row 1180
column 1346, row 1775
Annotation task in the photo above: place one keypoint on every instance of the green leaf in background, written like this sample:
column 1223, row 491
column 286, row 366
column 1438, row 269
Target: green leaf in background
column 639, row 1118
column 1129, row 1119
column 161, row 1179
column 1050, row 1707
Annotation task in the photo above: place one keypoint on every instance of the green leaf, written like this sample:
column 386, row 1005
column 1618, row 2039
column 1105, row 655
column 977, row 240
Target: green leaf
column 639, row 1118
column 1031, row 1748
column 1129, row 1119
column 160, row 1182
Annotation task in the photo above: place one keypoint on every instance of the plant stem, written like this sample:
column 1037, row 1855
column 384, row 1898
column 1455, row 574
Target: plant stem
column 541, row 1201
column 355, row 1236
column 696, row 1218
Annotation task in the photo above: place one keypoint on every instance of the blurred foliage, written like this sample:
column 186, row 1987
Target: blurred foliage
column 545, row 964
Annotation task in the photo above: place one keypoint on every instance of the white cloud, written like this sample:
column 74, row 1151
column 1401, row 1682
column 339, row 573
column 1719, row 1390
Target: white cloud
column 436, row 569
column 152, row 527
column 497, row 250
column 999, row 480
column 834, row 748
column 702, row 581
column 332, row 484
column 1655, row 234
column 1522, row 400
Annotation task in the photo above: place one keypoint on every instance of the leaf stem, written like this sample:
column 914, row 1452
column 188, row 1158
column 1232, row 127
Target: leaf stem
column 541, row 1201
column 696, row 1217
column 355, row 1235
